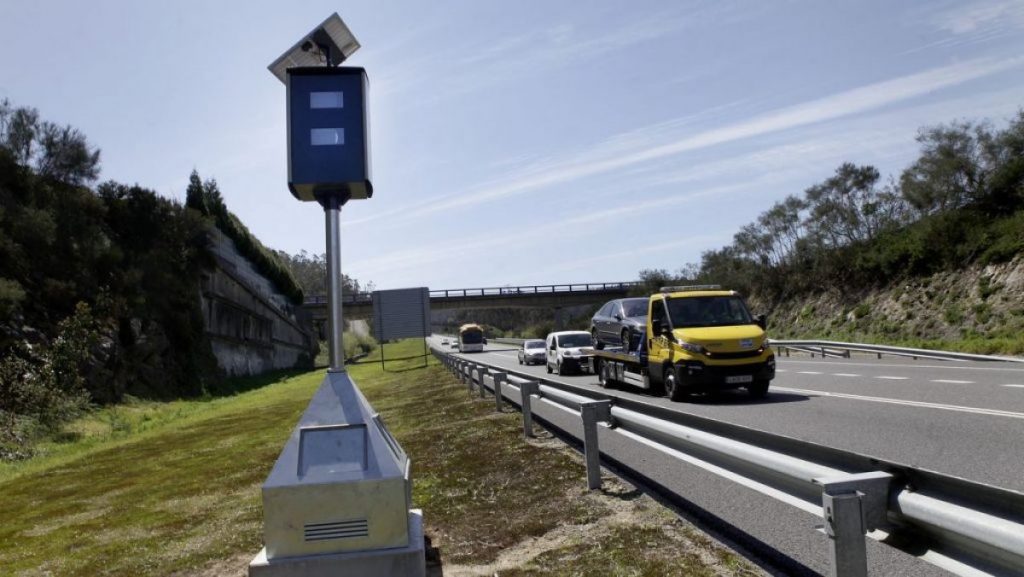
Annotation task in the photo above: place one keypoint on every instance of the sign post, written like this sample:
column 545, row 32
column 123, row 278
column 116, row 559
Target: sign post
column 338, row 500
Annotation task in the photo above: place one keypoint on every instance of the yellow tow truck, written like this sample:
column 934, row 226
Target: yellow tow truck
column 698, row 339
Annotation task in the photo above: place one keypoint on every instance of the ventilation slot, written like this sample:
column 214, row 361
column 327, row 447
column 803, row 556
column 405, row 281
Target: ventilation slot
column 336, row 530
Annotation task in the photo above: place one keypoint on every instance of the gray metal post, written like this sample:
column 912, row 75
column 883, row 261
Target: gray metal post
column 526, row 389
column 483, row 371
column 853, row 504
column 335, row 325
column 844, row 525
column 592, row 412
column 499, row 379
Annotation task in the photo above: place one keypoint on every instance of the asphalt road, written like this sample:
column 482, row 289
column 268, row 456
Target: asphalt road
column 957, row 418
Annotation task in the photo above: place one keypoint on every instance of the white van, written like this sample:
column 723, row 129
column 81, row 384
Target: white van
column 569, row 350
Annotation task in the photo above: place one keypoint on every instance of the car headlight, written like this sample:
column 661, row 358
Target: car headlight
column 692, row 347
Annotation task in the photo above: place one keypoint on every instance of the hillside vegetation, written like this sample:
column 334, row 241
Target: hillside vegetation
column 99, row 287
column 926, row 258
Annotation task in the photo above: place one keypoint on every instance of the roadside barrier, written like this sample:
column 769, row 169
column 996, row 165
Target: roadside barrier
column 977, row 527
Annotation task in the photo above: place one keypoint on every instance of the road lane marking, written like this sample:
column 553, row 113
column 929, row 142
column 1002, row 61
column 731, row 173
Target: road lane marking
column 952, row 382
column 892, row 378
column 1014, row 386
column 922, row 404
column 845, row 375
column 808, row 373
column 952, row 365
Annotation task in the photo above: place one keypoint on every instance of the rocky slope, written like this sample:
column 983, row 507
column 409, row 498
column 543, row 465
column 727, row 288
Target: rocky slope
column 976, row 309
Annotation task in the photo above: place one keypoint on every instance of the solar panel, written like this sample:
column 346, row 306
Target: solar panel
column 332, row 35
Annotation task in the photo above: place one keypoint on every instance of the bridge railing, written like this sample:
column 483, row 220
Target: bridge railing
column 533, row 289
column 366, row 298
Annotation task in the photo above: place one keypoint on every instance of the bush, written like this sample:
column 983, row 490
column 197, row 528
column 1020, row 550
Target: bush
column 40, row 390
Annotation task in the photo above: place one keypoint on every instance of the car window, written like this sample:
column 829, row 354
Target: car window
column 534, row 345
column 658, row 312
column 606, row 310
column 634, row 308
column 575, row 340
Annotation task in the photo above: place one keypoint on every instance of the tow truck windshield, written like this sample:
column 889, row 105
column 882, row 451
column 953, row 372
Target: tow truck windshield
column 709, row 311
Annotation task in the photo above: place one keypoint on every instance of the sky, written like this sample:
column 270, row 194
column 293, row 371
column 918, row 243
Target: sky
column 520, row 142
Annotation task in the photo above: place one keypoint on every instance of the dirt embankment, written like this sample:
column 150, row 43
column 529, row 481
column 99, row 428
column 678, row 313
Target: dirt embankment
column 977, row 309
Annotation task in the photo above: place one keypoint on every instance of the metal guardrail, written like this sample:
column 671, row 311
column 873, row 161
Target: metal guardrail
column 837, row 348
column 975, row 527
column 528, row 290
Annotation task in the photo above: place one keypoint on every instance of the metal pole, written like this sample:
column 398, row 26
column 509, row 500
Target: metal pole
column 332, row 210
column 844, row 525
column 525, row 390
column 592, row 412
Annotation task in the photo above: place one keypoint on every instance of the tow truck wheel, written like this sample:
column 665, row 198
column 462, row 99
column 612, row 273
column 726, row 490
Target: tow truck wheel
column 758, row 389
column 673, row 390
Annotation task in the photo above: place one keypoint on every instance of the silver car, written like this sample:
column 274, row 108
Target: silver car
column 532, row 352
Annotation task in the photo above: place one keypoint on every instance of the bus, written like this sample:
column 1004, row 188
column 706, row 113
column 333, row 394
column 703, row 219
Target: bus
column 471, row 338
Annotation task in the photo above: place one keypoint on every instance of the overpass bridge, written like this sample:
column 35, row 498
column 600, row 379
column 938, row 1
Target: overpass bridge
column 557, row 297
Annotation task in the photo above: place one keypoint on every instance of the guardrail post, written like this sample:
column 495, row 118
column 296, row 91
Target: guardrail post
column 853, row 505
column 844, row 525
column 592, row 412
column 499, row 378
column 481, row 372
column 525, row 390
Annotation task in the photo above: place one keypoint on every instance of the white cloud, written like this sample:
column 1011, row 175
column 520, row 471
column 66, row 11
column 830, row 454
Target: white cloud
column 633, row 148
column 969, row 18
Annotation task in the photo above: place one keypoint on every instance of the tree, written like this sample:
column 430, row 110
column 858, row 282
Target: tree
column 52, row 151
column 952, row 169
column 849, row 207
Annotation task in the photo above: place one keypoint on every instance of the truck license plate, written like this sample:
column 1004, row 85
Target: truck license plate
column 739, row 379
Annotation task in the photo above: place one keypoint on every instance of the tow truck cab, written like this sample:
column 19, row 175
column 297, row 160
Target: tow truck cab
column 698, row 339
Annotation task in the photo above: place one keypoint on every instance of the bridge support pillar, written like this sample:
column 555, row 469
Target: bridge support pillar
column 559, row 319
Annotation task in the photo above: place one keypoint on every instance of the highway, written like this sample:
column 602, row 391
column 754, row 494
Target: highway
column 958, row 418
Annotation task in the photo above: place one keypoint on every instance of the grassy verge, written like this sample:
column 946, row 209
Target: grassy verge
column 177, row 491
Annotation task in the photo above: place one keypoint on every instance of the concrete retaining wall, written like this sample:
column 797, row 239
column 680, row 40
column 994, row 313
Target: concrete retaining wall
column 252, row 328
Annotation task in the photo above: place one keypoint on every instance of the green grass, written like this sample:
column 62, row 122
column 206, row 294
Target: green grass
column 158, row 489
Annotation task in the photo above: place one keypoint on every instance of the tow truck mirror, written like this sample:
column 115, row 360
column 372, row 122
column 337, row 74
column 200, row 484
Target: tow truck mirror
column 762, row 321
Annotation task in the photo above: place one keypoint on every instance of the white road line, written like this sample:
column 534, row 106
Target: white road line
column 845, row 375
column 952, row 382
column 892, row 378
column 951, row 365
column 1014, row 386
column 922, row 404
column 781, row 371
column 808, row 373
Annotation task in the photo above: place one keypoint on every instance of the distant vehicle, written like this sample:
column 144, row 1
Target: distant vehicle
column 697, row 339
column 568, row 350
column 617, row 320
column 532, row 352
column 471, row 338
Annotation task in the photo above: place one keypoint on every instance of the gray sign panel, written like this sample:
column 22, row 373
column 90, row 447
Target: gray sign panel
column 401, row 313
